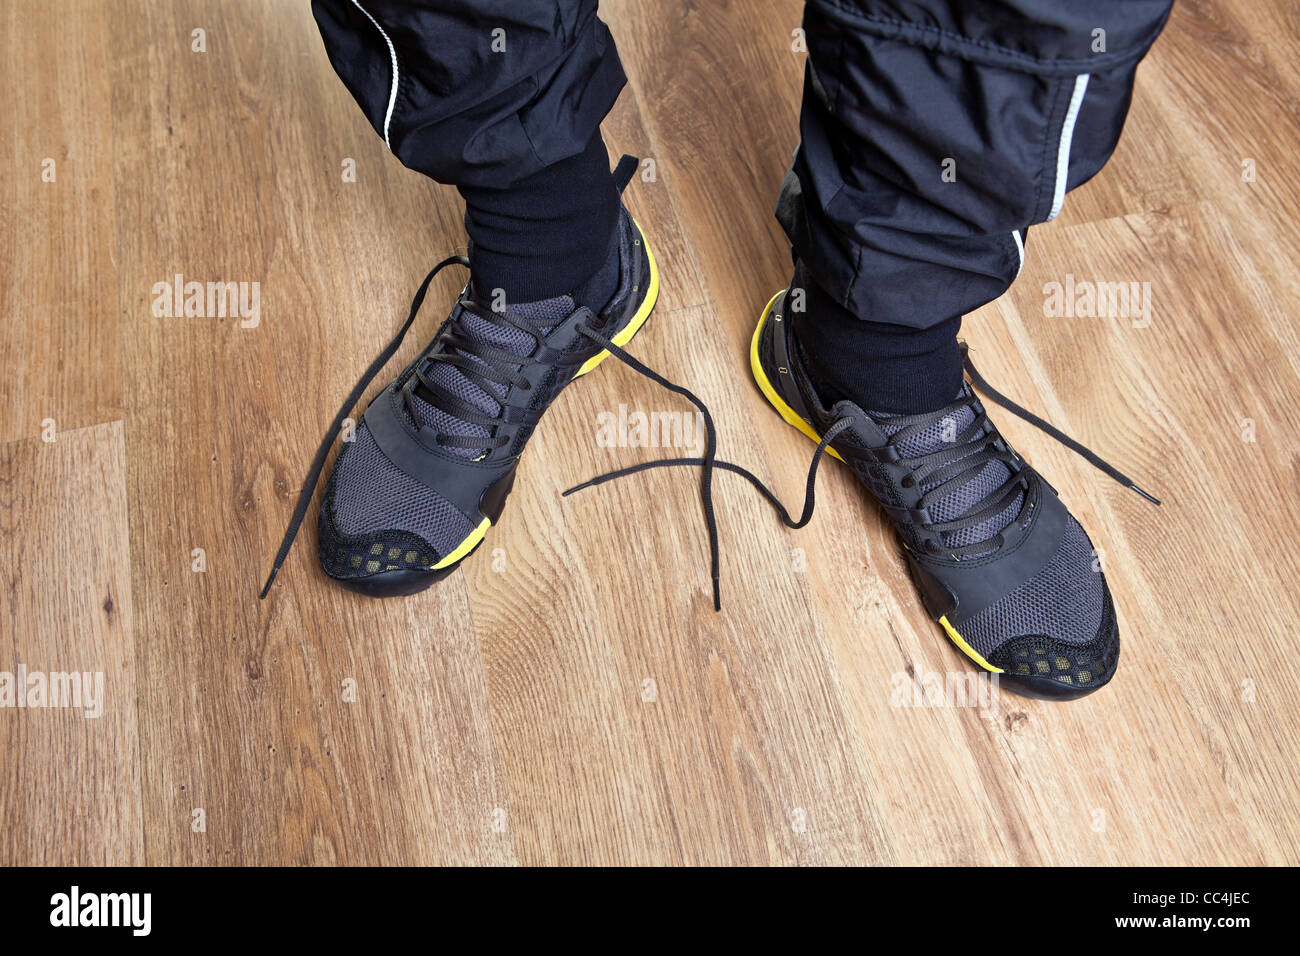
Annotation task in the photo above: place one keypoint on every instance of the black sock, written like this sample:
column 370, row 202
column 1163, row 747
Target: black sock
column 877, row 366
column 596, row 292
column 548, row 234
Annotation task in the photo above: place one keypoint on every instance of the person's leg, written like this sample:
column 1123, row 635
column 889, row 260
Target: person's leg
column 933, row 134
column 503, row 101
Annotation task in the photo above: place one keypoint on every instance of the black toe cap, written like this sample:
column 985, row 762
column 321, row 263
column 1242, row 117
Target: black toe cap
column 379, row 564
column 1043, row 667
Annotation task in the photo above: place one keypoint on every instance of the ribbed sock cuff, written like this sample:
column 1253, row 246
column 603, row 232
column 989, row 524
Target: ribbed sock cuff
column 879, row 367
column 545, row 235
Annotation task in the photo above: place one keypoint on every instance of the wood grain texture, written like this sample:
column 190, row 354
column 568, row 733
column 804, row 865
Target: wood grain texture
column 570, row 696
column 70, row 786
column 59, row 338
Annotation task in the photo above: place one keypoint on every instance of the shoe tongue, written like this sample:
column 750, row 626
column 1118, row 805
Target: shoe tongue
column 941, row 434
column 544, row 314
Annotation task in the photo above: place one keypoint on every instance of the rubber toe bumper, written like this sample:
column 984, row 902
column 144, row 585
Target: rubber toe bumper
column 381, row 564
column 1053, row 670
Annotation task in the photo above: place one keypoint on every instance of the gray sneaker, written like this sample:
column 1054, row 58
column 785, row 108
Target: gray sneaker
column 435, row 455
column 1000, row 563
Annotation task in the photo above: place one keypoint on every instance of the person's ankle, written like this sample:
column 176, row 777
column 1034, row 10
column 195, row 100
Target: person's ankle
column 879, row 367
column 545, row 235
column 594, row 292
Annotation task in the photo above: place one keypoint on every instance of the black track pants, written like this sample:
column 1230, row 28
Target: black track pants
column 503, row 99
column 934, row 133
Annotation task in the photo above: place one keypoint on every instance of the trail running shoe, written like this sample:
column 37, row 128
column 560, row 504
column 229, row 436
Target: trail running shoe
column 1000, row 563
column 435, row 455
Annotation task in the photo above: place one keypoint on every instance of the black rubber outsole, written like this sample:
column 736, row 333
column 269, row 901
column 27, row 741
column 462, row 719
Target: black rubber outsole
column 1043, row 688
column 395, row 583
column 399, row 583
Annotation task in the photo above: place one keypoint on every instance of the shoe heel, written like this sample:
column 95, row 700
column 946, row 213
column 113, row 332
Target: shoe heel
column 629, row 331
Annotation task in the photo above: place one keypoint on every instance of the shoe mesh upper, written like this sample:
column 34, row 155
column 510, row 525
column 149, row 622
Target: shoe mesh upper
column 506, row 338
column 371, row 494
column 1075, row 666
column 368, row 495
column 1062, row 602
column 1061, row 606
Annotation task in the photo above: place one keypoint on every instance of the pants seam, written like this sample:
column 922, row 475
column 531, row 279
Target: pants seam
column 1058, row 85
column 983, row 51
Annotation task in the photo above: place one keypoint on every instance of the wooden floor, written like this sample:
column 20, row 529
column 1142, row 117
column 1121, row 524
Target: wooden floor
column 570, row 696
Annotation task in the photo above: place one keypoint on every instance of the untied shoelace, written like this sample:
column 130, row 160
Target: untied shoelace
column 707, row 464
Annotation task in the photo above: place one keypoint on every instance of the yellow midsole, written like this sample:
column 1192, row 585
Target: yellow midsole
column 793, row 418
column 466, row 546
column 966, row 648
column 625, row 334
column 765, row 385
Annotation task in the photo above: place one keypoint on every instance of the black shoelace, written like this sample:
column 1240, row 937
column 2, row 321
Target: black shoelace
column 1048, row 428
column 946, row 470
column 483, row 364
column 318, row 463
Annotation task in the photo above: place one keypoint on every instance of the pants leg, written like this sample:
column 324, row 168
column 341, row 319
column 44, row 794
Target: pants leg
column 503, row 99
column 934, row 133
